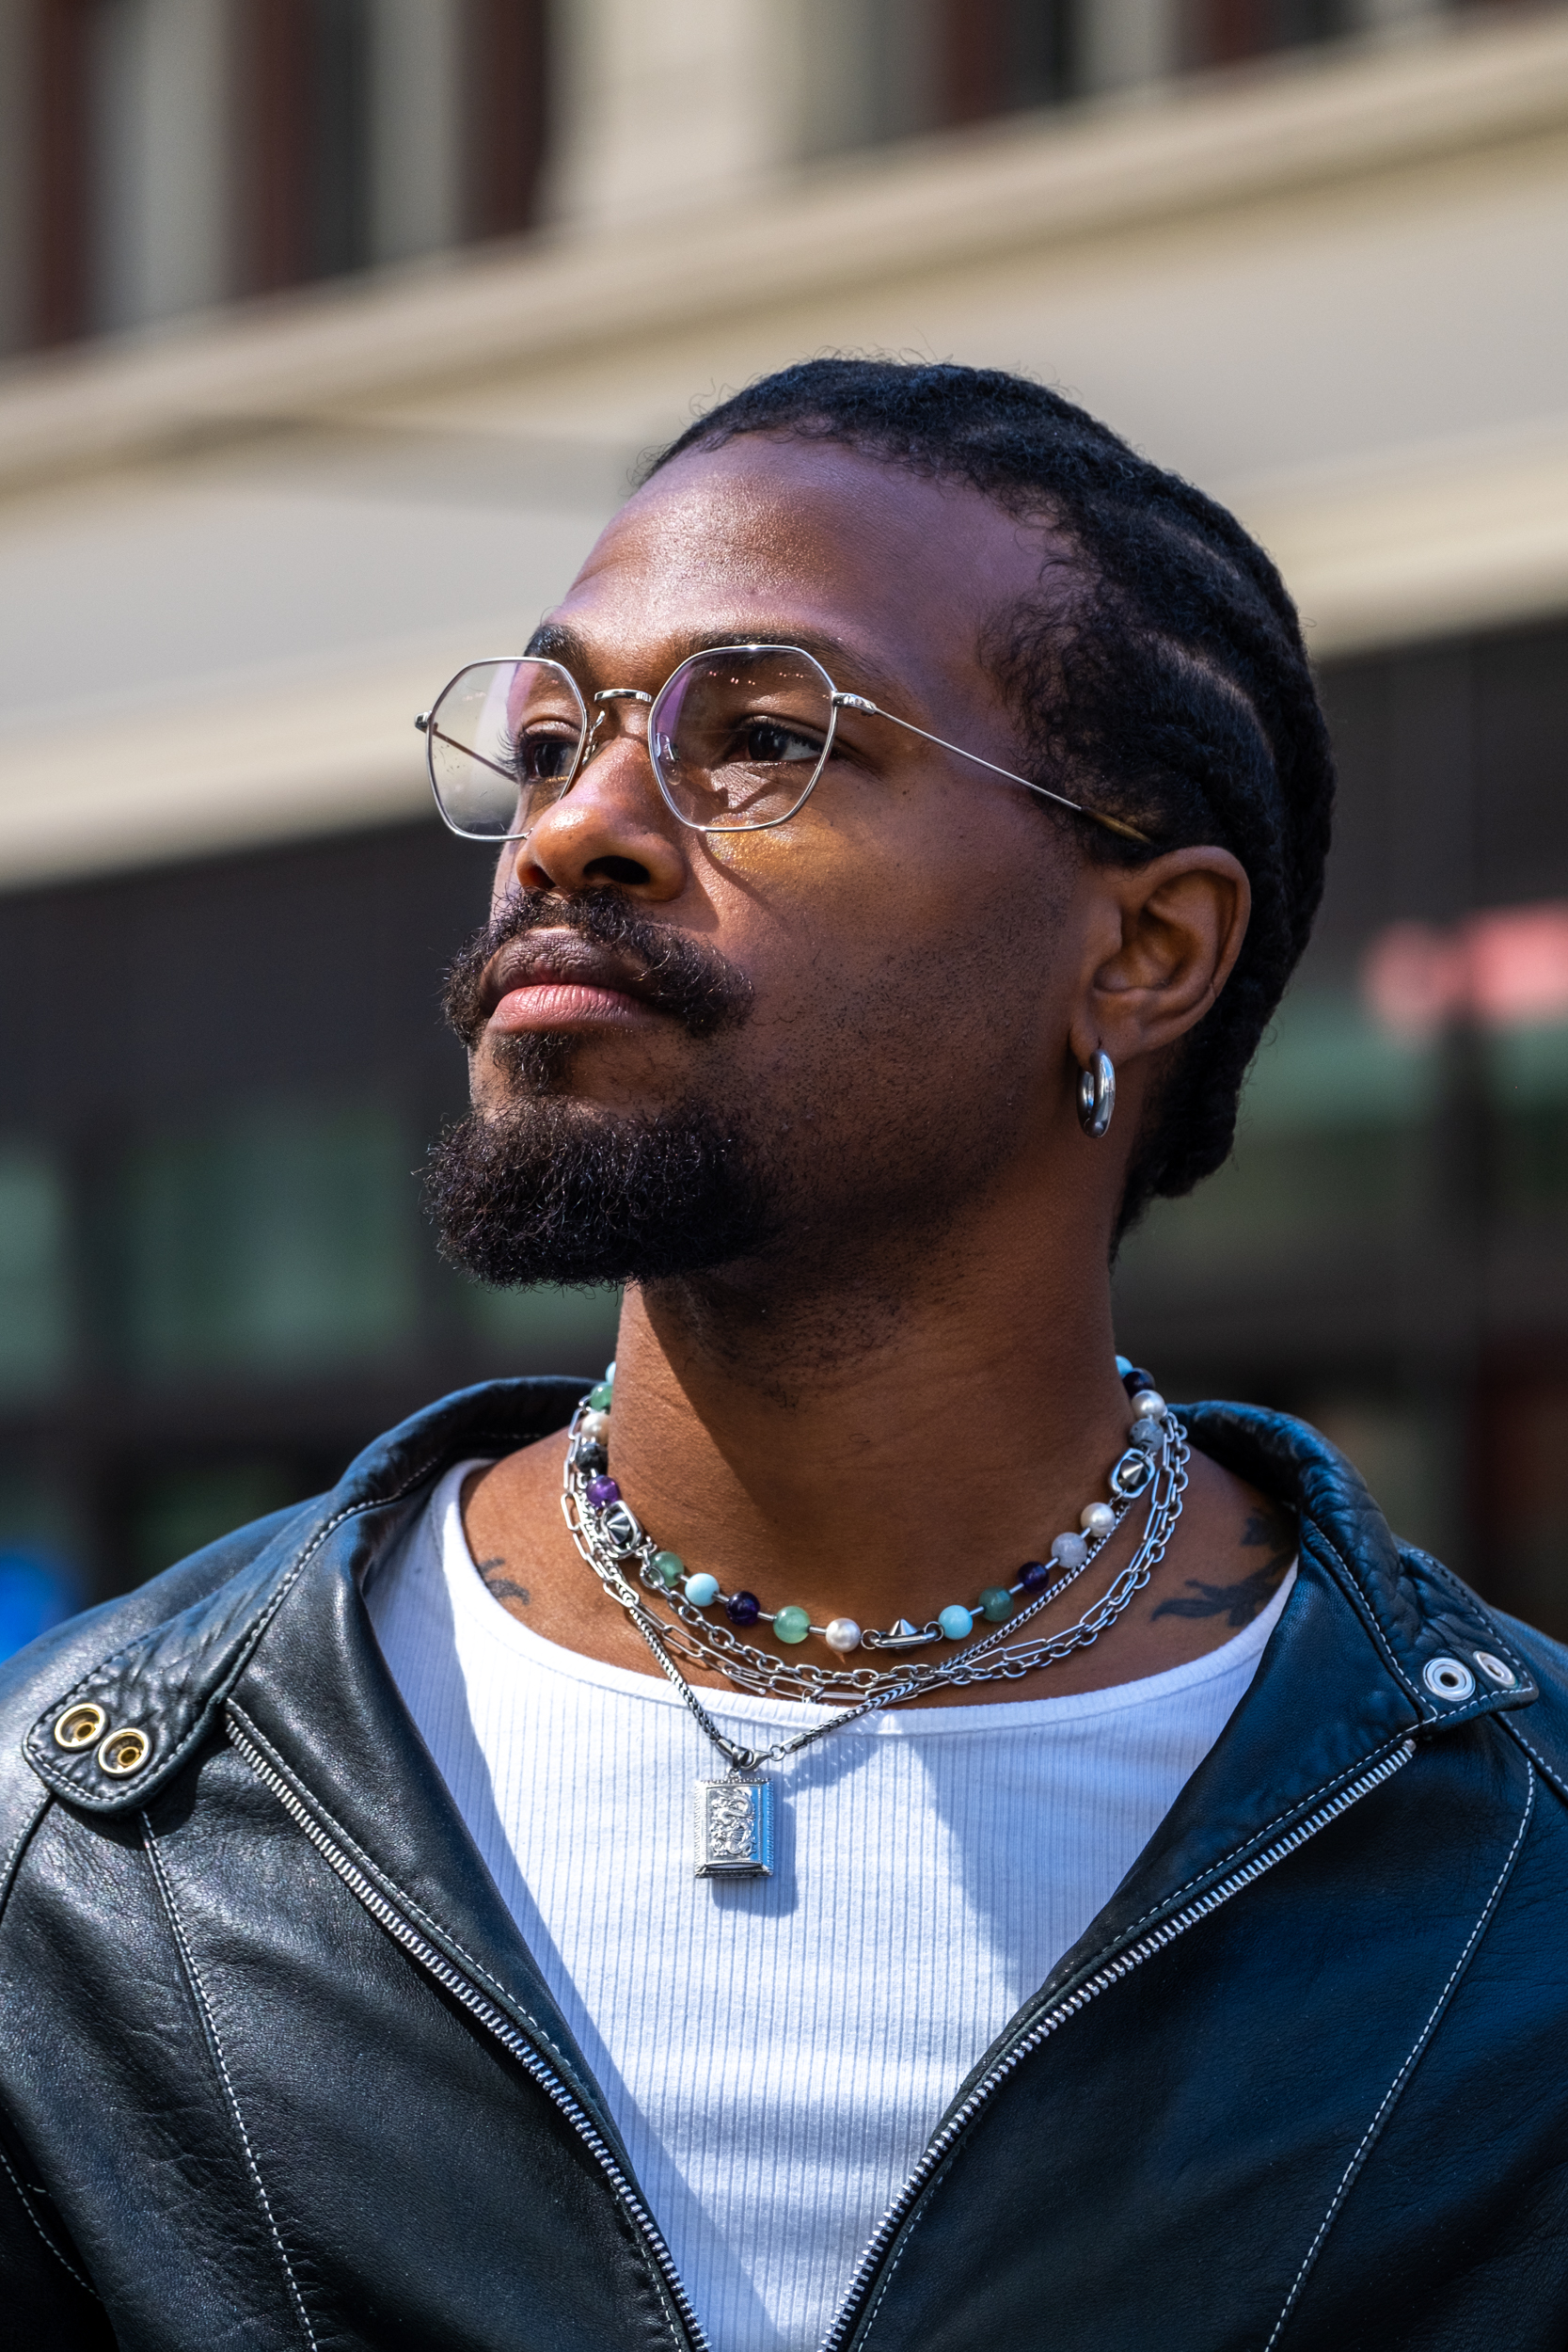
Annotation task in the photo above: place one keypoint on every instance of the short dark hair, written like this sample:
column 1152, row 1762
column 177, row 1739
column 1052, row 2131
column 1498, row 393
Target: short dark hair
column 1165, row 677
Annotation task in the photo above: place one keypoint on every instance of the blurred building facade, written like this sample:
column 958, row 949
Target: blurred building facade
column 337, row 329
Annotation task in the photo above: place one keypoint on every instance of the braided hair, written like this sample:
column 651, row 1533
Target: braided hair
column 1162, row 678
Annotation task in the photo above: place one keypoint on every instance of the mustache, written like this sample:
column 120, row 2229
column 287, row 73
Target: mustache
column 695, row 985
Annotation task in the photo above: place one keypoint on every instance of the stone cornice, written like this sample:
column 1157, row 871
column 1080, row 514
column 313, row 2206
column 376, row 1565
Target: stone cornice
column 1031, row 185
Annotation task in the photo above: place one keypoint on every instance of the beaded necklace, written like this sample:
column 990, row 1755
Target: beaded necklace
column 733, row 1815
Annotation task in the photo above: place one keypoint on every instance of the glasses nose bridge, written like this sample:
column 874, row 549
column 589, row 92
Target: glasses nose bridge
column 599, row 734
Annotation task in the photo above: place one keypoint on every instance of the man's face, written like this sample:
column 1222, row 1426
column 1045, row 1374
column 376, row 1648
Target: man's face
column 866, row 1012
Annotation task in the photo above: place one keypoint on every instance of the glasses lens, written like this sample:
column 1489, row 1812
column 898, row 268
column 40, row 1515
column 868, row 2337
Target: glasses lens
column 503, row 742
column 738, row 737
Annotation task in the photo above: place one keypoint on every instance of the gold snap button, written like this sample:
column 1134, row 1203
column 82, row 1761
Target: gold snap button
column 80, row 1726
column 125, row 1752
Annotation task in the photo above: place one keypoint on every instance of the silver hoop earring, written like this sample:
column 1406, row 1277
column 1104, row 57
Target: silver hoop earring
column 1097, row 1096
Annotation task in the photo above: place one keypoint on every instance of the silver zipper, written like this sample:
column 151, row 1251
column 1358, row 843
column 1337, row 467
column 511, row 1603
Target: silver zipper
column 493, row 2019
column 1123, row 1965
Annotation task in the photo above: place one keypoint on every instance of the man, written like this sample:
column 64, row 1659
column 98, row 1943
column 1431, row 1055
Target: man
column 919, row 1844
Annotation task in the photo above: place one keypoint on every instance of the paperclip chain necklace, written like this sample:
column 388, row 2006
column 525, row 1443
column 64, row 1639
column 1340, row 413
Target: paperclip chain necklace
column 735, row 1814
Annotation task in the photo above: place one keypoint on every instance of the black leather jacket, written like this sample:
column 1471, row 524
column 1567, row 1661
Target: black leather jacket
column 277, row 2069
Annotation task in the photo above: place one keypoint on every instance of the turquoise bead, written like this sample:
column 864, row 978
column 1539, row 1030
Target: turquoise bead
column 955, row 1623
column 996, row 1603
column 702, row 1590
column 668, row 1566
column 792, row 1625
column 601, row 1398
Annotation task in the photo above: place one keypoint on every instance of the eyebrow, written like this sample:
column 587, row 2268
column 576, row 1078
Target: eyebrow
column 557, row 641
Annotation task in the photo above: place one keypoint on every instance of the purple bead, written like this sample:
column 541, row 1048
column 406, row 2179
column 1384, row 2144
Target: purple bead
column 603, row 1490
column 743, row 1609
column 1033, row 1576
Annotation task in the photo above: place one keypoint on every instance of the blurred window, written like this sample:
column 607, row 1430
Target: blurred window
column 173, row 153
column 35, row 1321
column 1222, row 32
column 998, row 54
column 277, row 1238
column 175, row 1510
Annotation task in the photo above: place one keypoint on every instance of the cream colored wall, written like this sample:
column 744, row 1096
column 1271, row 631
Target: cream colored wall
column 241, row 555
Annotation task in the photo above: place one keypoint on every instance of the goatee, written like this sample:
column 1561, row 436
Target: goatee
column 549, row 1189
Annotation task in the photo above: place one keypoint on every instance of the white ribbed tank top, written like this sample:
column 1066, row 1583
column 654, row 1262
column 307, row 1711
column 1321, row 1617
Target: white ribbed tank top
column 777, row 2052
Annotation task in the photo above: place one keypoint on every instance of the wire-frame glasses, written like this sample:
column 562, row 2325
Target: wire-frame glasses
column 738, row 737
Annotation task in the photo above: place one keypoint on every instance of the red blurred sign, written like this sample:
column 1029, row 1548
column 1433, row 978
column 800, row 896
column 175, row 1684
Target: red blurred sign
column 1501, row 969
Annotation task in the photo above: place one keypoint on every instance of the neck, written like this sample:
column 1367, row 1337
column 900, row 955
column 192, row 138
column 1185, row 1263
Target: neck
column 872, row 1447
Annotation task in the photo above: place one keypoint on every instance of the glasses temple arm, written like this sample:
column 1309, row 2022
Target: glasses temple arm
column 1113, row 824
column 434, row 734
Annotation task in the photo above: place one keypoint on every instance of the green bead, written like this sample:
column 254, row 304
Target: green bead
column 668, row 1566
column 601, row 1398
column 996, row 1603
column 792, row 1625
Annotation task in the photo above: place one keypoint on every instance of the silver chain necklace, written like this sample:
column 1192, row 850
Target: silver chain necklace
column 735, row 1813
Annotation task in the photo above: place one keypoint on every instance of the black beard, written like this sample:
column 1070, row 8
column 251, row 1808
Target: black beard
column 548, row 1190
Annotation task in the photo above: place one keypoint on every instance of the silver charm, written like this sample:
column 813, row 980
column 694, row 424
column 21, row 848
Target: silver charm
column 903, row 1636
column 734, row 1827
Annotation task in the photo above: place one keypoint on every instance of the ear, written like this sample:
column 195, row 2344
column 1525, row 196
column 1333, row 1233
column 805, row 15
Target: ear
column 1160, row 943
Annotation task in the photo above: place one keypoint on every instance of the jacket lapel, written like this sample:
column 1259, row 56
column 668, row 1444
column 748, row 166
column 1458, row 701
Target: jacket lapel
column 317, row 1700
column 1340, row 1689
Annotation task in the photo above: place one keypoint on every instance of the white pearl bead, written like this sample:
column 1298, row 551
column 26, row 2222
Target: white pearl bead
column 1069, row 1552
column 1096, row 1519
column 842, row 1634
column 1148, row 1405
column 594, row 1428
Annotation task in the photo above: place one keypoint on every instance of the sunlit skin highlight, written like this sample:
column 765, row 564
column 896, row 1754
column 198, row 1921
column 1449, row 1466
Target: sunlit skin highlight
column 883, row 1414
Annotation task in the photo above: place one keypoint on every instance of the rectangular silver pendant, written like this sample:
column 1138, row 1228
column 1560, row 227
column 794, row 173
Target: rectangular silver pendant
column 734, row 1827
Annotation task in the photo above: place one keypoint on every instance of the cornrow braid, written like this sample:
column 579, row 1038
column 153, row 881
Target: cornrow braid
column 1159, row 672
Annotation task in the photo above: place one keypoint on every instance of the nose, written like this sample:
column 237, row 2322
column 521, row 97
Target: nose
column 612, row 825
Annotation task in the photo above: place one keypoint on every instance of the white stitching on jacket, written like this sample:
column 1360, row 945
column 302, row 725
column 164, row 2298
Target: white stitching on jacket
column 1553, row 1778
column 188, row 1958
column 45, row 1801
column 25, row 2202
column 1351, row 1771
column 1369, row 1619
column 1404, row 2075
column 1106, row 1971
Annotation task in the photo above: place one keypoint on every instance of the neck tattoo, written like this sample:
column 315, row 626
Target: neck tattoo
column 735, row 1813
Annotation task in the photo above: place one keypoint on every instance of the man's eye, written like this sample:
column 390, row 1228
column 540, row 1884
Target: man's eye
column 545, row 758
column 768, row 743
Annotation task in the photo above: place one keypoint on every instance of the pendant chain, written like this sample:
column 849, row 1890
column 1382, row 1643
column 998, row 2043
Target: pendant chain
column 998, row 1655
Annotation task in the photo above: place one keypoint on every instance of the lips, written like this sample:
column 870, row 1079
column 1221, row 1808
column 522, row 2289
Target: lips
column 563, row 982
